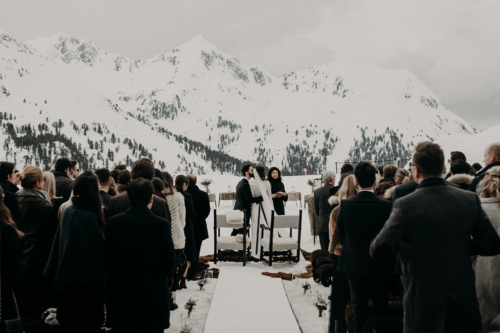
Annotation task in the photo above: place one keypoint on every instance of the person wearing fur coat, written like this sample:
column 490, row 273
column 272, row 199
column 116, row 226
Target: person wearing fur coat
column 487, row 269
column 460, row 176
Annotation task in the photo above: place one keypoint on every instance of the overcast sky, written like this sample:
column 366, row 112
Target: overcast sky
column 453, row 46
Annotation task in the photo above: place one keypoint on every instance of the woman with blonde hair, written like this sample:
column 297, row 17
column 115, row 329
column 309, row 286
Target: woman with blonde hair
column 487, row 269
column 340, row 287
column 49, row 186
column 40, row 223
column 402, row 176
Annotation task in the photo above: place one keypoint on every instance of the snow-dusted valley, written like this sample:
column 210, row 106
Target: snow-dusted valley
column 199, row 109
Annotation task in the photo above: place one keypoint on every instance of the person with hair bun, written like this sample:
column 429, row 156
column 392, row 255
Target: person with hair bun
column 79, row 271
column 487, row 269
column 123, row 179
column 40, row 223
column 278, row 192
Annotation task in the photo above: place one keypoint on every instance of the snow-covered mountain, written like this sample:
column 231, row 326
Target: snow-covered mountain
column 198, row 108
column 473, row 146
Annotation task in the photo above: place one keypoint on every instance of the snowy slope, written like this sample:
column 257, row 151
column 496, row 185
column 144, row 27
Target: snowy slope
column 311, row 118
column 473, row 146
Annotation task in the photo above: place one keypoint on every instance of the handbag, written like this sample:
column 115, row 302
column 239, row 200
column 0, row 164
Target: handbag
column 11, row 325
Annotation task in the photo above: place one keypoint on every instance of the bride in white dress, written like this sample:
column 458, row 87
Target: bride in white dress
column 260, row 186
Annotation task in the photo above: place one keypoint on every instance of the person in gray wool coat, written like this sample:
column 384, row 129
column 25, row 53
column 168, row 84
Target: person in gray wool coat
column 437, row 229
column 322, row 208
column 487, row 269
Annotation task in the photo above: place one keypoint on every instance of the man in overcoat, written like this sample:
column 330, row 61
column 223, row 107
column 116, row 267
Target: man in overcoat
column 201, row 204
column 437, row 229
column 244, row 198
column 141, row 255
column 322, row 208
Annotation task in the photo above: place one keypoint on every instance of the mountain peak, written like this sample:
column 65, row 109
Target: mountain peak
column 198, row 43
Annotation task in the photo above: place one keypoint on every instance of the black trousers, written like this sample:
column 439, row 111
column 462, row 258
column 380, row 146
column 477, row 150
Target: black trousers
column 240, row 231
column 361, row 287
column 324, row 240
column 194, row 265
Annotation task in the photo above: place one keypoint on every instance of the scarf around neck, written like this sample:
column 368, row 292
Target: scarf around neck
column 32, row 193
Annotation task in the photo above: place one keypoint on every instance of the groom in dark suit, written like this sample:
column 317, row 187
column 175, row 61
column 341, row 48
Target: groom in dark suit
column 244, row 198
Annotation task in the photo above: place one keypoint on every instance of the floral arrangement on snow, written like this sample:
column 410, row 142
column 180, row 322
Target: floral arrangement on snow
column 186, row 328
column 312, row 183
column 306, row 286
column 321, row 305
column 190, row 306
column 201, row 283
column 207, row 182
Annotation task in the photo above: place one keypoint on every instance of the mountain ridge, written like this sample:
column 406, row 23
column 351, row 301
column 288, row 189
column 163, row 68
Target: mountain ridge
column 309, row 118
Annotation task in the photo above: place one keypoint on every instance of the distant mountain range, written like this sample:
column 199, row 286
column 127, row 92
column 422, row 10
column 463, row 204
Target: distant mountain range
column 199, row 109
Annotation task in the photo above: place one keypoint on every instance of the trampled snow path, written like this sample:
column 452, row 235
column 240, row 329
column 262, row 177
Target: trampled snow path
column 246, row 301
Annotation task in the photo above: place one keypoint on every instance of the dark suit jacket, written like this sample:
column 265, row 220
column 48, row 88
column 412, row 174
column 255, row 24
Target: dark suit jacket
column 322, row 207
column 105, row 197
column 140, row 252
column 120, row 203
column 359, row 220
column 437, row 229
column 480, row 176
column 201, row 205
column 64, row 185
column 8, row 186
column 190, row 246
column 244, row 197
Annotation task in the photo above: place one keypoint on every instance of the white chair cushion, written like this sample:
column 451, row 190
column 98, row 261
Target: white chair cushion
column 229, row 243
column 280, row 243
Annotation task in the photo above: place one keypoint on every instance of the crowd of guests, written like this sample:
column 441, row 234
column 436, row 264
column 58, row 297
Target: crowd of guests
column 423, row 233
column 116, row 246
column 101, row 247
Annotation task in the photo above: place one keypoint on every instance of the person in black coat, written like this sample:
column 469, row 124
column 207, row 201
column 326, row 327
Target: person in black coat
column 359, row 220
column 277, row 186
column 389, row 173
column 77, row 271
column 40, row 220
column 437, row 229
column 64, row 184
column 181, row 184
column 201, row 204
column 244, row 198
column 143, row 168
column 104, row 177
column 322, row 208
column 491, row 159
column 12, row 270
column 141, row 255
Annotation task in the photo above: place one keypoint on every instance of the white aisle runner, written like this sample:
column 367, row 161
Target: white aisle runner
column 246, row 301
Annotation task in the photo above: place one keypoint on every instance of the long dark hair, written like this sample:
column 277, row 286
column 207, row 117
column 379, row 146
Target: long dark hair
column 179, row 181
column 86, row 192
column 169, row 182
column 261, row 170
column 270, row 177
column 6, row 217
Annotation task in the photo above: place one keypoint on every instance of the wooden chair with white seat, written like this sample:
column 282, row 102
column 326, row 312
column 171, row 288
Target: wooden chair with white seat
column 280, row 248
column 229, row 242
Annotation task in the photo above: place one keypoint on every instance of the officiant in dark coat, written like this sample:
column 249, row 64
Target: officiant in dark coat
column 437, row 229
column 277, row 186
column 141, row 254
column 244, row 198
